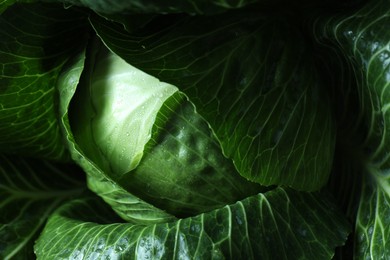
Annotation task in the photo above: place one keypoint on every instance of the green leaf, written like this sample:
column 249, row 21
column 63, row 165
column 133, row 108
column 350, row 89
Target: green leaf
column 252, row 79
column 364, row 39
column 372, row 224
column 196, row 7
column 281, row 224
column 114, row 110
column 183, row 170
column 4, row 4
column 127, row 206
column 36, row 41
column 155, row 6
column 30, row 190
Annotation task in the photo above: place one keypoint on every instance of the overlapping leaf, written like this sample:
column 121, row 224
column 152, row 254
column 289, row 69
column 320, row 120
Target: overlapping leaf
column 184, row 155
column 253, row 82
column 128, row 206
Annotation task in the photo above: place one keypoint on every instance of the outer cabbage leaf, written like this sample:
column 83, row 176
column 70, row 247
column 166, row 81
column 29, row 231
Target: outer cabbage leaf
column 155, row 6
column 364, row 39
column 183, row 169
column 280, row 224
column 36, row 41
column 251, row 79
column 127, row 206
column 30, row 190
column 195, row 7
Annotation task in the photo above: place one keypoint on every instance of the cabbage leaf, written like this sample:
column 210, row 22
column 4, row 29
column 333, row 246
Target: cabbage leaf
column 194, row 129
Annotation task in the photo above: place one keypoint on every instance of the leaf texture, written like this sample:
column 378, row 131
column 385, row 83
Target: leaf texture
column 261, row 96
column 280, row 224
column 30, row 190
column 364, row 39
column 36, row 41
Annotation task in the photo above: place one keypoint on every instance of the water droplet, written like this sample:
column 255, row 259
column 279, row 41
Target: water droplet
column 370, row 230
column 302, row 231
column 239, row 221
column 150, row 248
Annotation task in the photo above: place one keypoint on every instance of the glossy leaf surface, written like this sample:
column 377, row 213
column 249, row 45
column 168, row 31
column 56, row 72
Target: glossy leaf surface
column 364, row 40
column 279, row 224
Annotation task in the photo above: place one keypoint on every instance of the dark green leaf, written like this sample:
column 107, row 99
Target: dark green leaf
column 252, row 79
column 364, row 39
column 281, row 224
column 36, row 42
column 155, row 6
column 30, row 190
column 183, row 170
column 127, row 206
